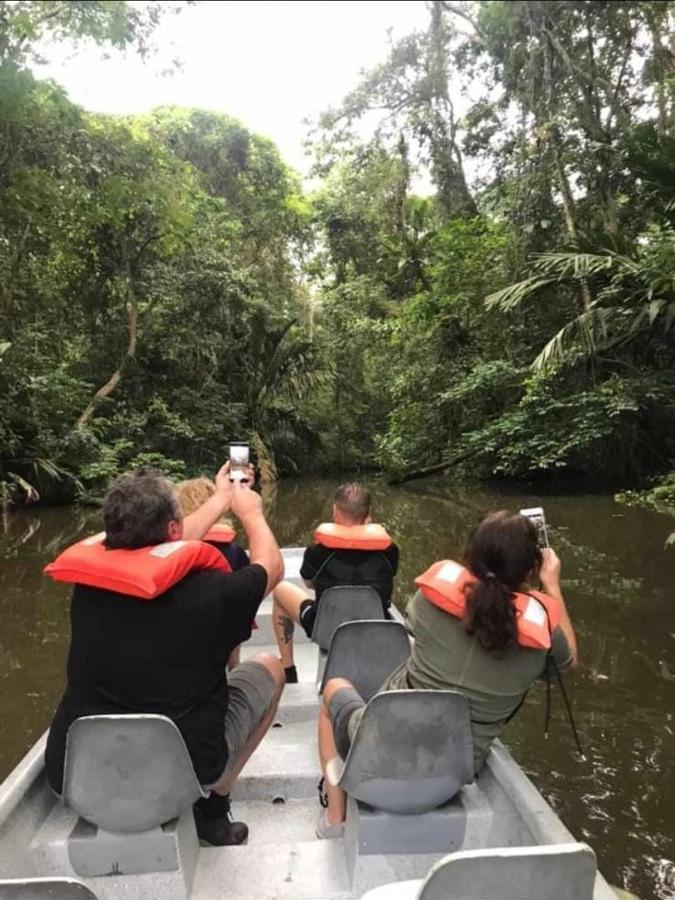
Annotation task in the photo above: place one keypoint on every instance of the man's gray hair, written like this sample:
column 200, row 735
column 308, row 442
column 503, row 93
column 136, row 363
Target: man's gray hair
column 137, row 510
column 353, row 501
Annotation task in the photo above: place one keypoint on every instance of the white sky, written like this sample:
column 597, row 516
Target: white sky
column 269, row 64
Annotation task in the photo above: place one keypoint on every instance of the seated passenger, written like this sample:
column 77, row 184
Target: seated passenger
column 338, row 557
column 168, row 655
column 191, row 495
column 478, row 629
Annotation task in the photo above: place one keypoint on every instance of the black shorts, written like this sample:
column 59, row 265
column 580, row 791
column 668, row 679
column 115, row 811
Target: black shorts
column 307, row 615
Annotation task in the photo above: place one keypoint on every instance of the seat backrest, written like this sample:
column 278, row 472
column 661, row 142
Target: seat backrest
column 346, row 603
column 366, row 652
column 552, row 872
column 44, row 889
column 128, row 773
column 411, row 752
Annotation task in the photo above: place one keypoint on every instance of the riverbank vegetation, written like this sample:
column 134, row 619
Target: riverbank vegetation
column 482, row 276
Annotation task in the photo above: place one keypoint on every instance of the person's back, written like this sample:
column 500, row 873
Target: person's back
column 326, row 568
column 444, row 656
column 166, row 656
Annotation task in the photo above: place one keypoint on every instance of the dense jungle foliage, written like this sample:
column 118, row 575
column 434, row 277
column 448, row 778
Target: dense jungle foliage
column 167, row 284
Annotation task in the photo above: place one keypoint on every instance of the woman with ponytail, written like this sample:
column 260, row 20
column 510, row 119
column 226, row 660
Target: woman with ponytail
column 481, row 628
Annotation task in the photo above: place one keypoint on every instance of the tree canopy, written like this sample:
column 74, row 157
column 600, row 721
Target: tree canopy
column 167, row 284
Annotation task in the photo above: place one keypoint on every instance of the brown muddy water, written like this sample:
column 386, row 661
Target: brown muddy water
column 619, row 583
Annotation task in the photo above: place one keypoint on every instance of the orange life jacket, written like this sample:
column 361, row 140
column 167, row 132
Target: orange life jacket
column 220, row 534
column 352, row 537
column 146, row 572
column 444, row 584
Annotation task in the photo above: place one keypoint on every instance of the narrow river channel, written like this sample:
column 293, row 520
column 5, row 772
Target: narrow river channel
column 619, row 583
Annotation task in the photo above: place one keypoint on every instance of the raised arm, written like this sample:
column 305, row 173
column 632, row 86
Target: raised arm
column 263, row 547
column 549, row 575
column 198, row 523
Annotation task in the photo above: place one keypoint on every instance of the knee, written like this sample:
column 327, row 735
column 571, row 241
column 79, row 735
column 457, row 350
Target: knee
column 279, row 591
column 273, row 666
column 333, row 685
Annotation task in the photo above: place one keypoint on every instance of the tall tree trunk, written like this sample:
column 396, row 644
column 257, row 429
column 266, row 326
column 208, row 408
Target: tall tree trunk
column 585, row 298
column 129, row 354
column 402, row 184
column 664, row 66
column 447, row 170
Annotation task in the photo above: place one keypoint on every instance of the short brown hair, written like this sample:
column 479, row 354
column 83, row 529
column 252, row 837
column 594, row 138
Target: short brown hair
column 137, row 510
column 353, row 501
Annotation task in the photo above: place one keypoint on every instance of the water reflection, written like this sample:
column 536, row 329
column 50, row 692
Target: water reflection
column 618, row 581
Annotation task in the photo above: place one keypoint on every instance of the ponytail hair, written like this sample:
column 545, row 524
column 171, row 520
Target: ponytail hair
column 502, row 553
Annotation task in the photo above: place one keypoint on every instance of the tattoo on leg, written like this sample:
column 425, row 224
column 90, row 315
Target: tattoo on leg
column 287, row 625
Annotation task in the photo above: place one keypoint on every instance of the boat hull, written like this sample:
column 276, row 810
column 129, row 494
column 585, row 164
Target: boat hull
column 277, row 796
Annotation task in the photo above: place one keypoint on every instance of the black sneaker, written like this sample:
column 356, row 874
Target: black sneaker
column 291, row 675
column 218, row 830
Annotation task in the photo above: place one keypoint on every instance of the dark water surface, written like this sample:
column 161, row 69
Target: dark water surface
column 619, row 583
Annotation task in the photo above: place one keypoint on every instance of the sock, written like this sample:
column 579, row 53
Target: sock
column 215, row 806
column 291, row 675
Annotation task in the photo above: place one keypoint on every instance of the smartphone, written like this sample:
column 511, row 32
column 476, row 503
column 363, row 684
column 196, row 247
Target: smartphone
column 536, row 516
column 239, row 457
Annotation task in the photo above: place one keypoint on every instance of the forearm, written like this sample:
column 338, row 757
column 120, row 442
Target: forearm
column 553, row 590
column 263, row 548
column 198, row 523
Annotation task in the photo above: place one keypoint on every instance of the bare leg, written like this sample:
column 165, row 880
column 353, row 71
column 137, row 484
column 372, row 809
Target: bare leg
column 224, row 785
column 234, row 659
column 283, row 632
column 288, row 598
column 335, row 814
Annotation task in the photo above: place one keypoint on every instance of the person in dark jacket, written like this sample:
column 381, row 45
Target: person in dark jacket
column 168, row 655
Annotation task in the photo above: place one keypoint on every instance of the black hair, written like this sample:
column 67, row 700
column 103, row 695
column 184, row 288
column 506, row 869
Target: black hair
column 502, row 552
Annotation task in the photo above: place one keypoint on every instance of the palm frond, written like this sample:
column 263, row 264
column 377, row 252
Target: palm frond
column 591, row 329
column 513, row 295
column 577, row 266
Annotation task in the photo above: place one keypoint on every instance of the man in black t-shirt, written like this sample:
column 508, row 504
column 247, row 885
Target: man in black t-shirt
column 323, row 567
column 169, row 655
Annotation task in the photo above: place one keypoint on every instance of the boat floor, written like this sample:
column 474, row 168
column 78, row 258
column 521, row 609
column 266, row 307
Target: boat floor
column 276, row 795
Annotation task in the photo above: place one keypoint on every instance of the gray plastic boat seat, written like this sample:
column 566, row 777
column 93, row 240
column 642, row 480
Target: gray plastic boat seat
column 366, row 653
column 44, row 889
column 549, row 872
column 128, row 773
column 346, row 603
column 412, row 751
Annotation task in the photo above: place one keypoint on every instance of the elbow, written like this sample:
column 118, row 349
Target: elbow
column 276, row 571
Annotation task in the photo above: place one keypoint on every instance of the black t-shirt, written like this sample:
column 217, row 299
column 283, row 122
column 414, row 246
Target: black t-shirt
column 166, row 656
column 333, row 568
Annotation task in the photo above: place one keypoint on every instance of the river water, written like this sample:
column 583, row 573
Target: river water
column 619, row 583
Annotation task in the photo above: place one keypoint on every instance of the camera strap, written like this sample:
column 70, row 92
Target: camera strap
column 550, row 658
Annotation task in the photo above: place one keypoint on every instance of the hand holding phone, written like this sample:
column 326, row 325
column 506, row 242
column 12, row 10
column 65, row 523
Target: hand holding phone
column 239, row 460
column 536, row 516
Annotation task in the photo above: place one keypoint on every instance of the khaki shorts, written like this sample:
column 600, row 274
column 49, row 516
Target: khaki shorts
column 345, row 711
column 251, row 692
